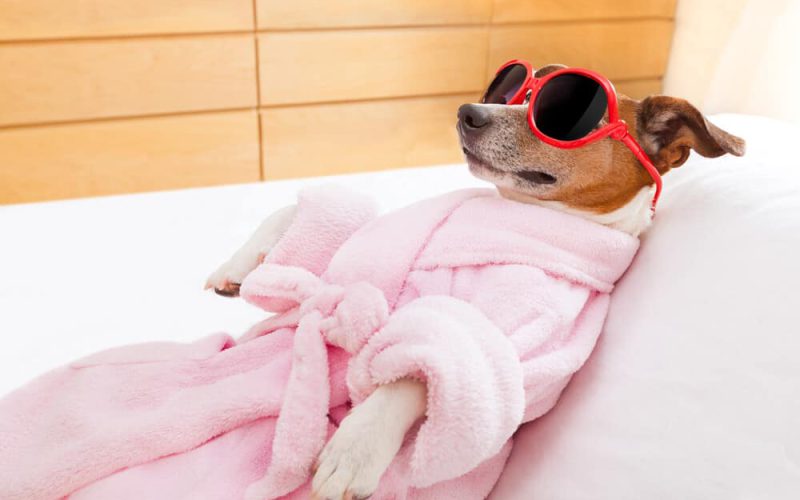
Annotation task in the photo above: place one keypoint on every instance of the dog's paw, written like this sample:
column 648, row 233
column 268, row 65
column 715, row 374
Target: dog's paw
column 355, row 458
column 228, row 278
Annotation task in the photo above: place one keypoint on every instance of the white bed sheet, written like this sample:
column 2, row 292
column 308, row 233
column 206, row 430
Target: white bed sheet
column 82, row 275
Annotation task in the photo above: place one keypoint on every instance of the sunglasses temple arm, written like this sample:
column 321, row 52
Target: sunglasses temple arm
column 637, row 150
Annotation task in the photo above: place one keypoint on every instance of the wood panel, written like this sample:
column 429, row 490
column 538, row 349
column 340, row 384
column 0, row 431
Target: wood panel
column 353, row 137
column 62, row 161
column 45, row 82
column 618, row 49
column 280, row 14
column 325, row 66
column 109, row 96
column 639, row 89
column 517, row 11
column 41, row 19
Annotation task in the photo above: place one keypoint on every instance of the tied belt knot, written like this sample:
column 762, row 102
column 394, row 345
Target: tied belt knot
column 346, row 316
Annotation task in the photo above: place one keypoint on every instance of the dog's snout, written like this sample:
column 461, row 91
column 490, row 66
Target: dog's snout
column 473, row 117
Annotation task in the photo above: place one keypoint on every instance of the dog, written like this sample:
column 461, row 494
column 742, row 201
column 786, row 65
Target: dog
column 602, row 182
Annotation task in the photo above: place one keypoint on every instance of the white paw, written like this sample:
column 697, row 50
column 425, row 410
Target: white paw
column 227, row 279
column 355, row 458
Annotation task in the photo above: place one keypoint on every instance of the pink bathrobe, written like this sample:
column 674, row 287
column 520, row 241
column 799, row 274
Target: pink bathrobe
column 493, row 303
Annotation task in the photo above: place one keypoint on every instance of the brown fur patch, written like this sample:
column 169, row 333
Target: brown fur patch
column 671, row 127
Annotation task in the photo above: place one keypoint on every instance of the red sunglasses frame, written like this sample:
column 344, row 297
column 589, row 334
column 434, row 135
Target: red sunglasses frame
column 616, row 128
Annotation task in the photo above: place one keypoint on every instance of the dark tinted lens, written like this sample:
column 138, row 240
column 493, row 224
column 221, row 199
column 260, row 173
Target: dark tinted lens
column 505, row 85
column 569, row 106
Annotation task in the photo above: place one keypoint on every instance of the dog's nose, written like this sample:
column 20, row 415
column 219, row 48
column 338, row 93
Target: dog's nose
column 473, row 117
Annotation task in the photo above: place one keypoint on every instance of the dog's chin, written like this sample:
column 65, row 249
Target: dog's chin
column 528, row 182
column 482, row 170
column 504, row 181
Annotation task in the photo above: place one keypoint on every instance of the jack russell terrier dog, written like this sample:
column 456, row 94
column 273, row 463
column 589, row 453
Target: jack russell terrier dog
column 511, row 143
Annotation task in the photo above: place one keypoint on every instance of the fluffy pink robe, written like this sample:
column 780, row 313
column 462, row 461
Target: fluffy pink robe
column 493, row 303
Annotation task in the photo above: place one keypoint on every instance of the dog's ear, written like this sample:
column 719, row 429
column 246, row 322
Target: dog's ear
column 546, row 70
column 669, row 127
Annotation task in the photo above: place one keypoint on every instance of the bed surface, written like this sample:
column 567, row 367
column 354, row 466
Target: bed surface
column 84, row 275
column 693, row 391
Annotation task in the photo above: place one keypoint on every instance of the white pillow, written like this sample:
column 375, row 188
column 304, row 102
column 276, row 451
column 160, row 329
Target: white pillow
column 693, row 391
column 737, row 56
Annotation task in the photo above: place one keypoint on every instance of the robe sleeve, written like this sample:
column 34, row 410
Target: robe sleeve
column 326, row 217
column 473, row 376
column 546, row 374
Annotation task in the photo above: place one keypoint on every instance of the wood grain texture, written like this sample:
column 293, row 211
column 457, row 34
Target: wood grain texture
column 112, row 96
column 517, row 11
column 357, row 137
column 280, row 14
column 43, row 19
column 46, row 82
column 639, row 89
column 306, row 67
column 619, row 49
column 65, row 161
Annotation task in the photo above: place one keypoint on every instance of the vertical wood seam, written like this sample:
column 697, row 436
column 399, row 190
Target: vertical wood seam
column 258, row 93
column 489, row 29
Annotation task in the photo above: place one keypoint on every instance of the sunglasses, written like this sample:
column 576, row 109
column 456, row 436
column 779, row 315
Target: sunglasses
column 566, row 108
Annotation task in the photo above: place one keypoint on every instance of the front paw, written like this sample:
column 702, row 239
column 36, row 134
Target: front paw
column 355, row 458
column 227, row 280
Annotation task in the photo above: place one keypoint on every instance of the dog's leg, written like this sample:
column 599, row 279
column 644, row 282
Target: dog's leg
column 226, row 280
column 355, row 458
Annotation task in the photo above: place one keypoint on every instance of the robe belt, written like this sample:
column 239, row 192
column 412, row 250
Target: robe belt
column 344, row 316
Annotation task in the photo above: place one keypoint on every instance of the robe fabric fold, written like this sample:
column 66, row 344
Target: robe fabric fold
column 492, row 303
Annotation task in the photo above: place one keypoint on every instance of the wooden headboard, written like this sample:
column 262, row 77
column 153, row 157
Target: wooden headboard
column 114, row 96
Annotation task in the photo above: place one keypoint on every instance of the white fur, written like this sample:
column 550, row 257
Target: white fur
column 355, row 458
column 632, row 218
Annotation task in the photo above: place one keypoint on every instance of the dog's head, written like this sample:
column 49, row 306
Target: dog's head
column 598, row 178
